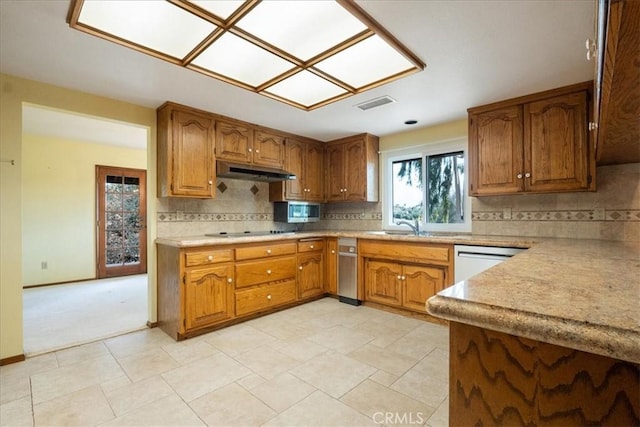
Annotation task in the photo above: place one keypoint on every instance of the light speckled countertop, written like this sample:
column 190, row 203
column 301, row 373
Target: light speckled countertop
column 581, row 294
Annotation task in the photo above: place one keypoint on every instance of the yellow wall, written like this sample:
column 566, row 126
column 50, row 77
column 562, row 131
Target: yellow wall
column 426, row 135
column 58, row 205
column 13, row 93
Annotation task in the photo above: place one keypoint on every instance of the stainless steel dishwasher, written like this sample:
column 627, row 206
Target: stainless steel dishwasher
column 348, row 271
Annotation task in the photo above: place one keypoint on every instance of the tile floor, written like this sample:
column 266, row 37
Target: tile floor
column 319, row 364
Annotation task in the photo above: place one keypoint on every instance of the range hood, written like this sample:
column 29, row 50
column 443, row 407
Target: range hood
column 227, row 169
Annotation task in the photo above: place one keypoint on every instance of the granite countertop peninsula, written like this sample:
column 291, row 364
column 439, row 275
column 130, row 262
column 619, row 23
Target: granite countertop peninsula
column 576, row 293
column 580, row 294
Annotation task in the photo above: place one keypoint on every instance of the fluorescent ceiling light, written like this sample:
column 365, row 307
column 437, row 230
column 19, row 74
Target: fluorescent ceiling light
column 304, row 53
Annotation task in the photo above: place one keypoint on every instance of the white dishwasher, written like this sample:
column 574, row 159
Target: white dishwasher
column 471, row 260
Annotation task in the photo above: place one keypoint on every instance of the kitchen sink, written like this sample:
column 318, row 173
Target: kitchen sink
column 397, row 233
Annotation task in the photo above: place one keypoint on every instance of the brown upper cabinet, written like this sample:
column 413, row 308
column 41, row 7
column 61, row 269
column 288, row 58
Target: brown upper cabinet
column 352, row 169
column 241, row 143
column 186, row 162
column 533, row 144
column 305, row 160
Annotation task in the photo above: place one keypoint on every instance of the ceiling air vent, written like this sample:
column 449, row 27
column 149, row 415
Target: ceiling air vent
column 376, row 102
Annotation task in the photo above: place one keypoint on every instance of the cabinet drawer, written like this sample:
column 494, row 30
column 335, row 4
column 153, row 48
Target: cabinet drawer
column 420, row 252
column 211, row 256
column 263, row 271
column 264, row 297
column 265, row 250
column 310, row 245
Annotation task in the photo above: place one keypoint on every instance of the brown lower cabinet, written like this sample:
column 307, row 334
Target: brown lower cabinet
column 202, row 288
column 502, row 379
column 404, row 275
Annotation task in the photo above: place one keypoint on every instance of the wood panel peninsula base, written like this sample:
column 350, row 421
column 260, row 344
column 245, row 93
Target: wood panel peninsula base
column 502, row 379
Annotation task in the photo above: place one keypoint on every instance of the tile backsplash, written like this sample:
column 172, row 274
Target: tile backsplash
column 612, row 212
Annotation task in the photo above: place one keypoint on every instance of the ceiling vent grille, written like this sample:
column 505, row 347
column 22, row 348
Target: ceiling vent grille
column 376, row 102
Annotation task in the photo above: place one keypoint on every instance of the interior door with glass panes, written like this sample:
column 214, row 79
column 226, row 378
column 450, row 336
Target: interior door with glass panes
column 121, row 221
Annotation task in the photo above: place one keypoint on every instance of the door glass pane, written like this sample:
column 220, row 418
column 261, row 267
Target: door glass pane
column 114, row 221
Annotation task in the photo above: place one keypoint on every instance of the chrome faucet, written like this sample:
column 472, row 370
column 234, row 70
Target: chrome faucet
column 415, row 227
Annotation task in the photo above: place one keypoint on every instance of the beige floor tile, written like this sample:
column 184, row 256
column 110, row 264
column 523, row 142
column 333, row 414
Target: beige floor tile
column 321, row 410
column 80, row 353
column 385, row 406
column 148, row 363
column 115, row 383
column 136, row 395
column 67, row 379
column 384, row 378
column 188, row 351
column 17, row 413
column 137, row 342
column 412, row 347
column 282, row 391
column 14, row 378
column 341, row 339
column 170, row 411
column 300, row 349
column 238, row 339
column 333, row 373
column 421, row 387
column 435, row 365
column 282, row 328
column 232, row 405
column 266, row 361
column 251, row 381
column 205, row 375
column 383, row 333
column 384, row 359
column 84, row 407
column 440, row 418
column 432, row 334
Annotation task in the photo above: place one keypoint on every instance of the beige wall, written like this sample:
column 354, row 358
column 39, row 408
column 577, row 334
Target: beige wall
column 59, row 202
column 13, row 93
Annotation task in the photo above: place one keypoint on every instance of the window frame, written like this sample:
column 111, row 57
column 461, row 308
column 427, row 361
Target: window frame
column 422, row 151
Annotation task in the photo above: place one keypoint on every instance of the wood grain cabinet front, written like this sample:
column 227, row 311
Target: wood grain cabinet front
column 265, row 297
column 331, row 266
column 186, row 160
column 208, row 296
column 534, row 144
column 404, row 275
column 249, row 273
column 305, row 159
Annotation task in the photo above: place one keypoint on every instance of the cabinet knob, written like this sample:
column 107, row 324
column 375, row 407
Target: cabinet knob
column 399, row 277
column 268, row 251
column 250, row 150
column 210, row 182
column 527, row 175
column 310, row 246
column 268, row 271
column 210, row 257
column 333, row 252
column 257, row 151
column 269, row 297
column 519, row 176
column 404, row 278
column 230, row 280
column 300, row 268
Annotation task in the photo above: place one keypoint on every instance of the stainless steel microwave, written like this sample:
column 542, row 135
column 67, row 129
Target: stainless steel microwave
column 296, row 212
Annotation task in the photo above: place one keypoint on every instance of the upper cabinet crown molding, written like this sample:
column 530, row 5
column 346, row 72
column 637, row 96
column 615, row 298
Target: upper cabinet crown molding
column 533, row 144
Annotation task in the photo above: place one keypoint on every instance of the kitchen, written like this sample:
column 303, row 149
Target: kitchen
column 182, row 217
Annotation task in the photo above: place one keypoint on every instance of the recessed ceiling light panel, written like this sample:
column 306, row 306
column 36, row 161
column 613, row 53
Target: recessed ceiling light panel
column 304, row 53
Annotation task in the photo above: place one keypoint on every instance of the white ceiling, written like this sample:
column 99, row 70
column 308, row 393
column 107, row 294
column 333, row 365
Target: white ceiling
column 476, row 52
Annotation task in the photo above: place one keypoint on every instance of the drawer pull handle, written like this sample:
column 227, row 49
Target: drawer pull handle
column 210, row 257
column 268, row 251
column 230, row 280
column 268, row 271
column 269, row 297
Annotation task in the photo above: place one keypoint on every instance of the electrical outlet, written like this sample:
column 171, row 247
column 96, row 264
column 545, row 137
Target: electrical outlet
column 44, row 265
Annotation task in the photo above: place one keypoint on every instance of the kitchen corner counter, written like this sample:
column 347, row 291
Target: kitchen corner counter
column 580, row 294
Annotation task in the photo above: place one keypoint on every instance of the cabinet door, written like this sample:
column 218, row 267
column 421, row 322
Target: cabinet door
column 192, row 156
column 421, row 283
column 496, row 152
column 209, row 295
column 331, row 264
column 268, row 150
column 294, row 163
column 355, row 171
column 382, row 282
column 335, row 173
column 233, row 142
column 310, row 275
column 556, row 144
column 314, row 172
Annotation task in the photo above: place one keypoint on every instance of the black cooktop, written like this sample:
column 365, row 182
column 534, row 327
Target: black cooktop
column 249, row 233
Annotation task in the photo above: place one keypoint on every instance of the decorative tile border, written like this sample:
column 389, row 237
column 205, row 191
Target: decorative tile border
column 353, row 216
column 573, row 215
column 208, row 217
